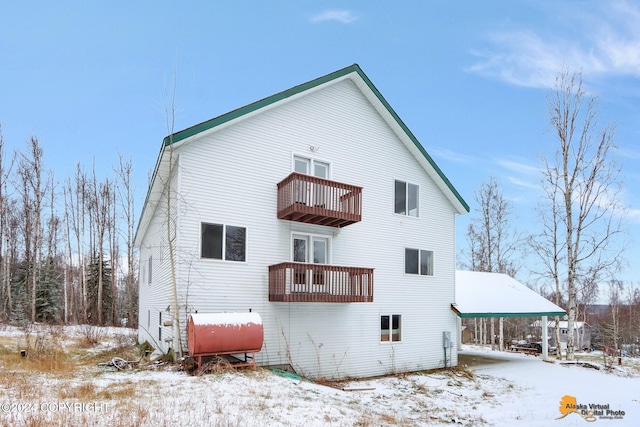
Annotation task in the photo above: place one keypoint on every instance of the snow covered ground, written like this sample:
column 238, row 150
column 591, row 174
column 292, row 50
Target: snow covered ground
column 494, row 389
column 541, row 386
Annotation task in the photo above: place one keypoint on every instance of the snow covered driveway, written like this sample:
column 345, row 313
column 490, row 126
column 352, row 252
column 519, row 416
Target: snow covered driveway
column 545, row 384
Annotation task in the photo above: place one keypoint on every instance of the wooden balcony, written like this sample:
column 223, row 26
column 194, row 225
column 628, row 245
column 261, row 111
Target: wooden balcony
column 299, row 282
column 313, row 200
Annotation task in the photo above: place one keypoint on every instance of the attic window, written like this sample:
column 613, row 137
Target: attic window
column 406, row 198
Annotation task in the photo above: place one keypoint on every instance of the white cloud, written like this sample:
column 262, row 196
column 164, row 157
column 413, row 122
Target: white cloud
column 523, row 183
column 450, row 155
column 607, row 43
column 629, row 153
column 523, row 168
column 339, row 15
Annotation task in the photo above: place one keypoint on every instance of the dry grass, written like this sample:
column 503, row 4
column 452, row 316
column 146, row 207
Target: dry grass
column 217, row 365
column 63, row 368
column 88, row 391
column 90, row 336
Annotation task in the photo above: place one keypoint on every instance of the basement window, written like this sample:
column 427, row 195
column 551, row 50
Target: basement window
column 391, row 328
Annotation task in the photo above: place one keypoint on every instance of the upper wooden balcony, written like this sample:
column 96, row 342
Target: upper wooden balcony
column 313, row 200
column 300, row 282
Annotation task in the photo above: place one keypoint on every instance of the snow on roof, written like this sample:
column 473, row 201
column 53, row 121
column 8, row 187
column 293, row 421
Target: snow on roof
column 480, row 294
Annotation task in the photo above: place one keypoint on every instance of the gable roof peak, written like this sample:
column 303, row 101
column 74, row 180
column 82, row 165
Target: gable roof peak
column 368, row 89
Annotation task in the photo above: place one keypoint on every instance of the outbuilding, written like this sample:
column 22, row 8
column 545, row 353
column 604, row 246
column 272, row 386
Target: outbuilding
column 495, row 295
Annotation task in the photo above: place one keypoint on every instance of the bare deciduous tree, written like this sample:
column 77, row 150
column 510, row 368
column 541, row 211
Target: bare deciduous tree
column 30, row 172
column 170, row 112
column 582, row 187
column 492, row 240
column 5, row 266
column 126, row 202
column 549, row 247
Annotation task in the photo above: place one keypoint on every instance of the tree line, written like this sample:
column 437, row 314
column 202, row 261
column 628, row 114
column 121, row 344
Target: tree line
column 578, row 239
column 66, row 247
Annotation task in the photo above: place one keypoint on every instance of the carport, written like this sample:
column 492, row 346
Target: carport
column 480, row 294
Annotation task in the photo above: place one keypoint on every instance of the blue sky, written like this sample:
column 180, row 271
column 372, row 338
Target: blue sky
column 89, row 79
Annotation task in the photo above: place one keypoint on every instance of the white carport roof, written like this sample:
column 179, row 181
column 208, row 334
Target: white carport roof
column 480, row 294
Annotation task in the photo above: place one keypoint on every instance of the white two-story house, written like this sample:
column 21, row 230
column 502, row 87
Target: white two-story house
column 318, row 209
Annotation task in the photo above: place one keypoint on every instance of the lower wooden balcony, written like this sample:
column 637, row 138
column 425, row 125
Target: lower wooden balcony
column 299, row 282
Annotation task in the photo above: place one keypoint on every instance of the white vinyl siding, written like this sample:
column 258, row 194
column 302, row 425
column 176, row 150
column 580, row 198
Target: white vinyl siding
column 318, row 339
column 156, row 295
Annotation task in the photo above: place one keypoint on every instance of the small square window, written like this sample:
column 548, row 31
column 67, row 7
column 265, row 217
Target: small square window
column 418, row 262
column 223, row 242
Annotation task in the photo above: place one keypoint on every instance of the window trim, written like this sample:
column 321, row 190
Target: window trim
column 390, row 334
column 223, row 242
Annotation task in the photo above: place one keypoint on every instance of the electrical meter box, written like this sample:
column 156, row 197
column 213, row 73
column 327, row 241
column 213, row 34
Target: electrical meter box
column 446, row 339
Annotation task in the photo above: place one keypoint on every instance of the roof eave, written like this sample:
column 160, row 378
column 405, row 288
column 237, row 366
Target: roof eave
column 391, row 116
column 506, row 314
column 387, row 111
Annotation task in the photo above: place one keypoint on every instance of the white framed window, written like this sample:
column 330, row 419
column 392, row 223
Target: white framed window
column 310, row 166
column 310, row 249
column 391, row 328
column 418, row 261
column 310, row 193
column 226, row 242
column 407, row 197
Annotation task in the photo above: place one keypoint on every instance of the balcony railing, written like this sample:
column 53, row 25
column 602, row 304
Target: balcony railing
column 299, row 282
column 313, row 200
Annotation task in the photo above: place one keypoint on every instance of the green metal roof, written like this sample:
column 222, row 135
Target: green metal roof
column 507, row 314
column 355, row 68
column 247, row 109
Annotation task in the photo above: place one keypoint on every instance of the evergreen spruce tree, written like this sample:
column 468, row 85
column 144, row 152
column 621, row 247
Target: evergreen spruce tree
column 48, row 298
column 92, row 290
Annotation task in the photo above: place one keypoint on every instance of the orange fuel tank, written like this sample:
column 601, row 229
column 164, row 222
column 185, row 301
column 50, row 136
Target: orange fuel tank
column 224, row 333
